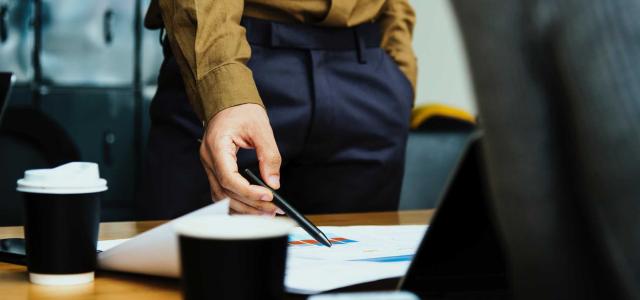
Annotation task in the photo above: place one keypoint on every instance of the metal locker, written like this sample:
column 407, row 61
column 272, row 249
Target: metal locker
column 151, row 51
column 88, row 80
column 88, row 43
column 151, row 59
column 16, row 38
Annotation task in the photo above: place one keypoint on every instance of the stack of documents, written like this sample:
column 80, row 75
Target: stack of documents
column 359, row 254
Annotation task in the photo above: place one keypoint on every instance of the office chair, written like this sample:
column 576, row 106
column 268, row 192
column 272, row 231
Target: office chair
column 558, row 89
column 436, row 141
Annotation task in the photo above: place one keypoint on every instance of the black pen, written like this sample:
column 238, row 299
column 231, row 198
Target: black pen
column 292, row 212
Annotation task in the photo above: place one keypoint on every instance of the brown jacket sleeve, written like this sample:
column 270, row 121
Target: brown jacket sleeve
column 211, row 49
column 397, row 20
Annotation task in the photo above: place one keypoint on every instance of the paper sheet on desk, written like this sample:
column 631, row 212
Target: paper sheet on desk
column 359, row 254
column 311, row 277
column 154, row 252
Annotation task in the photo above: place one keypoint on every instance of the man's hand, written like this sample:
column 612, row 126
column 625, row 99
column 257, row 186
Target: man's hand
column 243, row 126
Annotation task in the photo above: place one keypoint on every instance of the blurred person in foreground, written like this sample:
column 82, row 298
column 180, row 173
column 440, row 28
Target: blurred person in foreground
column 558, row 88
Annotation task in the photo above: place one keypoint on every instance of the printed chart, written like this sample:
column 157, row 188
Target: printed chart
column 359, row 243
column 358, row 254
column 304, row 240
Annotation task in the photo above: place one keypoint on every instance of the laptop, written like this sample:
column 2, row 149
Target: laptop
column 6, row 79
column 461, row 256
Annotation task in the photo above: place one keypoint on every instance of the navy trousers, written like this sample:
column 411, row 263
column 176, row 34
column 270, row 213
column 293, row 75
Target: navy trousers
column 339, row 107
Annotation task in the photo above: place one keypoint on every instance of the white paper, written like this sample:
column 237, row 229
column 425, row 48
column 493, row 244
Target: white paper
column 306, row 276
column 108, row 244
column 359, row 254
column 154, row 252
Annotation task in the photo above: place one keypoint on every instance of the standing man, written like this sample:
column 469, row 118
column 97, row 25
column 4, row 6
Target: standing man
column 316, row 95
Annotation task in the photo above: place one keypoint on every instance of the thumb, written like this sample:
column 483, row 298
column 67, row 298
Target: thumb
column 269, row 159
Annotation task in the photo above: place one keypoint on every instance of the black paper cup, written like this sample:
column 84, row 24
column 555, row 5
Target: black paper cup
column 62, row 217
column 233, row 257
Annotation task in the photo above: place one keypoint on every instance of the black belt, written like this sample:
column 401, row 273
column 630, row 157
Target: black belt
column 303, row 36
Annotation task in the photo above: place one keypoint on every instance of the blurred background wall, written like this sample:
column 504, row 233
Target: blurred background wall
column 443, row 74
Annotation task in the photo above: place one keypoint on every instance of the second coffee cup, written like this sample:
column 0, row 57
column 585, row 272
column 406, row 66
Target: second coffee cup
column 233, row 257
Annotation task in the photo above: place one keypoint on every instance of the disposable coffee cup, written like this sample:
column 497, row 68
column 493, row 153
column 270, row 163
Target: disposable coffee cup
column 62, row 215
column 233, row 257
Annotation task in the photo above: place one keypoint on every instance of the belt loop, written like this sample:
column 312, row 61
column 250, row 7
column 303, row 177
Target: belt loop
column 272, row 29
column 360, row 47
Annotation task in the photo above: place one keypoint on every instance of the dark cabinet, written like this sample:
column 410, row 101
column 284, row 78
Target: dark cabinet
column 100, row 122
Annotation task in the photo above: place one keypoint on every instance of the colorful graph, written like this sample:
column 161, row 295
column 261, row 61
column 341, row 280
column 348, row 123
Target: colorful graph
column 386, row 259
column 302, row 240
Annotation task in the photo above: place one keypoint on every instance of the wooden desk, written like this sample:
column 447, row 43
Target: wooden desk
column 14, row 282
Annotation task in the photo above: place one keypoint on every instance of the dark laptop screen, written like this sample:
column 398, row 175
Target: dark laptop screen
column 461, row 255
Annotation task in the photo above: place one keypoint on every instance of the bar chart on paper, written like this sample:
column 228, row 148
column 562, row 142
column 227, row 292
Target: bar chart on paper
column 304, row 240
column 359, row 243
column 358, row 254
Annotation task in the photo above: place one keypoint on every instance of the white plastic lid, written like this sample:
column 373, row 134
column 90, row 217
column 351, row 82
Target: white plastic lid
column 225, row 227
column 71, row 178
